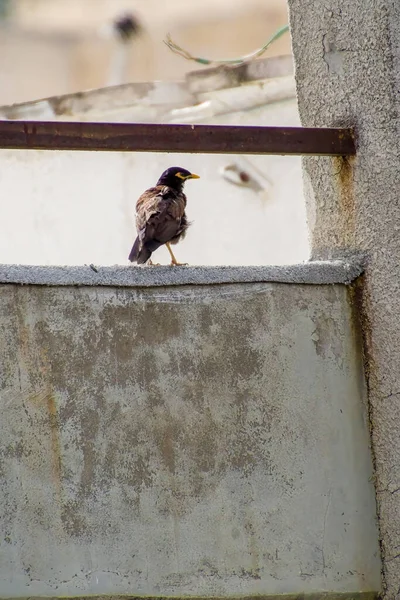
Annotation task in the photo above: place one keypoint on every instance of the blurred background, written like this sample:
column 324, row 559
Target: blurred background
column 54, row 47
column 105, row 60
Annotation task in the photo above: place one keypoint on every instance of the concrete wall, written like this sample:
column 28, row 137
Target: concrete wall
column 347, row 59
column 183, row 440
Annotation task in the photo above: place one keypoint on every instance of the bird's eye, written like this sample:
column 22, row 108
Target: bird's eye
column 180, row 175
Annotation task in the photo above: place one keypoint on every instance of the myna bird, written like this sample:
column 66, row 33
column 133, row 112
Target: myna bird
column 160, row 216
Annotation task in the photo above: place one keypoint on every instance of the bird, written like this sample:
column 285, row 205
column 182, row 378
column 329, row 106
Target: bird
column 161, row 217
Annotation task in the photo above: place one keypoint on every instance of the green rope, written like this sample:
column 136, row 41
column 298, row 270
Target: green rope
column 234, row 61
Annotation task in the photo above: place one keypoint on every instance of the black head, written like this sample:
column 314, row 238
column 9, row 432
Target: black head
column 175, row 177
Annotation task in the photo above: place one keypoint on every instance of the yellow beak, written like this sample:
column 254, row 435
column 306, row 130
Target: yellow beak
column 193, row 176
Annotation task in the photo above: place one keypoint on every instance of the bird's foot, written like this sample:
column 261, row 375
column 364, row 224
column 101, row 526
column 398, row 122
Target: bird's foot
column 151, row 264
column 175, row 263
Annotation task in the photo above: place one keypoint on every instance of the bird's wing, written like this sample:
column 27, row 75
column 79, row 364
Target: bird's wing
column 146, row 206
column 159, row 214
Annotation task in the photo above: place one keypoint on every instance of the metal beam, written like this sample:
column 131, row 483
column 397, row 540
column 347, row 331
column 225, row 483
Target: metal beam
column 201, row 139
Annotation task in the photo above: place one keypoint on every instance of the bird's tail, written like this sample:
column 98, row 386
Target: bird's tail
column 133, row 256
column 139, row 254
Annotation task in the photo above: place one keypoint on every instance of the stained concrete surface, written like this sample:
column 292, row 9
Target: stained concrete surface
column 183, row 441
column 347, row 59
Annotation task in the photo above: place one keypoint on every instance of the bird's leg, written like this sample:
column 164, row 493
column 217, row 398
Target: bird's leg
column 174, row 262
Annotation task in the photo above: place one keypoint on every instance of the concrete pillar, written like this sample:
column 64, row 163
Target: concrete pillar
column 348, row 73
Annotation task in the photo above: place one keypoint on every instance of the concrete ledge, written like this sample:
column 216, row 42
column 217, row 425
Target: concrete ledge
column 318, row 596
column 314, row 273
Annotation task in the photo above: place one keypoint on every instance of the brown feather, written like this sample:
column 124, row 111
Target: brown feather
column 160, row 218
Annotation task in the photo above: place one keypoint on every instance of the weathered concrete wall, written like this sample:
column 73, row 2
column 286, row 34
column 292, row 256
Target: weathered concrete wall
column 348, row 72
column 183, row 440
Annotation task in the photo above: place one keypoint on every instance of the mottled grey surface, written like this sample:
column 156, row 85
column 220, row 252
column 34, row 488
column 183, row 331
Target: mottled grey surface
column 317, row 272
column 183, row 441
column 318, row 596
column 348, row 73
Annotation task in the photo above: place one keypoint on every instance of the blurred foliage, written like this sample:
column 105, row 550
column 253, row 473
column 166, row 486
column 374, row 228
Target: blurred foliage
column 5, row 8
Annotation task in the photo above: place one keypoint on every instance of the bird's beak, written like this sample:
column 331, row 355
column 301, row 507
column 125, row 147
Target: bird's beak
column 193, row 176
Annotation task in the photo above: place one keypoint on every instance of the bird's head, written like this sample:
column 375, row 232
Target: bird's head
column 175, row 177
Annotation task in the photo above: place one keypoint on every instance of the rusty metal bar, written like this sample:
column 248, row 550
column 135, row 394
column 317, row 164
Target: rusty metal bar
column 206, row 139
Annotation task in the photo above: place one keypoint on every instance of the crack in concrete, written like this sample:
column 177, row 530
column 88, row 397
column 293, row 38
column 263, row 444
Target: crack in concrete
column 392, row 558
column 85, row 576
column 391, row 395
column 323, row 534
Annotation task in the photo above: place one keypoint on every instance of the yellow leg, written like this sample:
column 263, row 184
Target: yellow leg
column 174, row 262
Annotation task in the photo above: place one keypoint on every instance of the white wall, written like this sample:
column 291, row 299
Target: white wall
column 77, row 208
